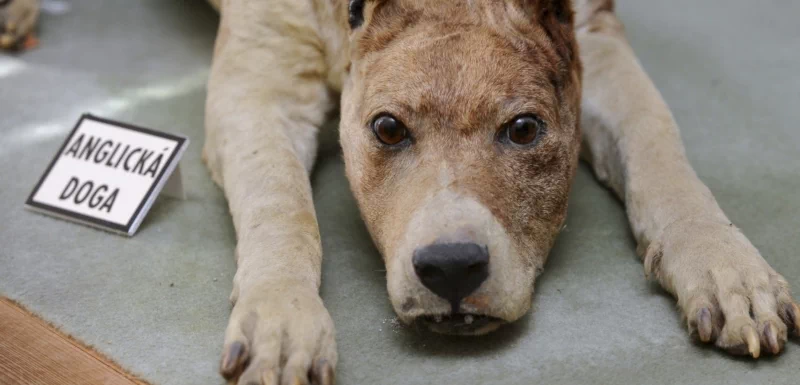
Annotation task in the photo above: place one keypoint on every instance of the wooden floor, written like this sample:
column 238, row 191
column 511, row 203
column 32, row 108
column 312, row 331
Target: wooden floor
column 32, row 352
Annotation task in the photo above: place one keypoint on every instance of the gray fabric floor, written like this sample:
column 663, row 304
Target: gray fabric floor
column 157, row 303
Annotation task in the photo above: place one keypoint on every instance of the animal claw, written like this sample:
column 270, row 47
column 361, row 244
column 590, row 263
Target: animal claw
column 753, row 345
column 704, row 328
column 771, row 336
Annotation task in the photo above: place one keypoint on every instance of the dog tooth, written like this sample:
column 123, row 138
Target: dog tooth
column 437, row 318
column 468, row 319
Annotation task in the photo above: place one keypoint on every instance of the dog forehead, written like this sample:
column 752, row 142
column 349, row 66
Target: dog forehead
column 462, row 77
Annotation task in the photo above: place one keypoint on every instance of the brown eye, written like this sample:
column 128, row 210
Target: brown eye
column 523, row 130
column 389, row 130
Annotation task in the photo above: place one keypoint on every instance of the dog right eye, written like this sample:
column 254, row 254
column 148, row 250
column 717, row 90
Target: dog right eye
column 389, row 130
column 523, row 130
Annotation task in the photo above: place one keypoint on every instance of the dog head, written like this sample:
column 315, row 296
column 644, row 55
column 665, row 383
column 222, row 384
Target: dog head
column 459, row 126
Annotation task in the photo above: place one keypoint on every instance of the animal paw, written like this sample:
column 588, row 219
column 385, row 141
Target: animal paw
column 727, row 292
column 279, row 334
column 17, row 20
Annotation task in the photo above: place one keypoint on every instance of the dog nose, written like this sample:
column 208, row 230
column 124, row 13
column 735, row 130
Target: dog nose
column 452, row 270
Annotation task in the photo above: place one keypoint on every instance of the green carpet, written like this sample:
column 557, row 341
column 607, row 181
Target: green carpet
column 158, row 302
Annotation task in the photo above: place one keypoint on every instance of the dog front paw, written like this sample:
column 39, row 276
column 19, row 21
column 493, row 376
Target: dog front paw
column 279, row 334
column 17, row 21
column 727, row 292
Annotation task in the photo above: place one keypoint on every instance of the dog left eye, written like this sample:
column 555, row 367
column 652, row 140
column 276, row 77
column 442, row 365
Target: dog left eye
column 389, row 130
column 522, row 130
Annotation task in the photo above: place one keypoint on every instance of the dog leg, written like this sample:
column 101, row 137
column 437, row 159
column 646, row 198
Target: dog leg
column 266, row 100
column 17, row 21
column 726, row 291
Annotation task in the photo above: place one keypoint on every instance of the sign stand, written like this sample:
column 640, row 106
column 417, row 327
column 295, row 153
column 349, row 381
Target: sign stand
column 174, row 186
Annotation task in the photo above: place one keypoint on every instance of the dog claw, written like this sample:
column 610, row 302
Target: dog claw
column 704, row 328
column 322, row 373
column 268, row 377
column 232, row 360
column 771, row 337
column 753, row 345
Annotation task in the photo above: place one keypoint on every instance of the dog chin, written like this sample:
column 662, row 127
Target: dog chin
column 465, row 324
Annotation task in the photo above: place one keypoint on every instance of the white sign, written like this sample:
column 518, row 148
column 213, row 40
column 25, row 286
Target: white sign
column 108, row 174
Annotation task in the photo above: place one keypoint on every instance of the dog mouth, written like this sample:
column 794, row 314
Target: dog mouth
column 461, row 323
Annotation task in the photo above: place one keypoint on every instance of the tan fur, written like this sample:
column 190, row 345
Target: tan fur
column 267, row 98
column 17, row 20
column 689, row 245
column 454, row 73
column 411, row 199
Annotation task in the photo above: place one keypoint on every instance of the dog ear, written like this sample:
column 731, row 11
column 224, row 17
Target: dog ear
column 359, row 12
column 559, row 11
column 556, row 17
column 355, row 12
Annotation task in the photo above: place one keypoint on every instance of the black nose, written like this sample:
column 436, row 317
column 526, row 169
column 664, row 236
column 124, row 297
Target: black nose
column 452, row 270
